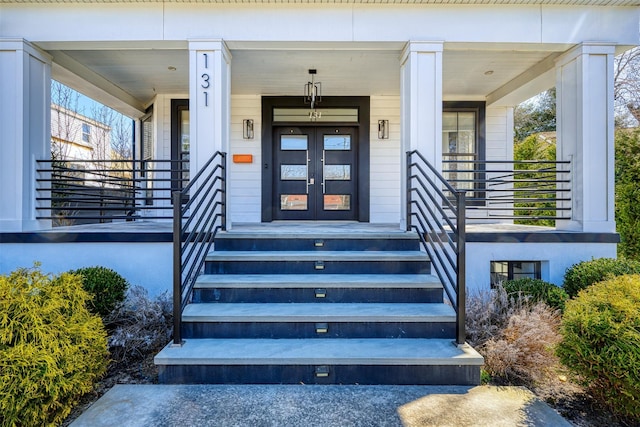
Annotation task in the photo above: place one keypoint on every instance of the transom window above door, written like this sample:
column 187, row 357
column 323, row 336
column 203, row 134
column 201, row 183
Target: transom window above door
column 318, row 115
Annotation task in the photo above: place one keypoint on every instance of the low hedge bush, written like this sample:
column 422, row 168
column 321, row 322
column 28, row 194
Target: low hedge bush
column 537, row 291
column 52, row 349
column 601, row 342
column 107, row 287
column 586, row 273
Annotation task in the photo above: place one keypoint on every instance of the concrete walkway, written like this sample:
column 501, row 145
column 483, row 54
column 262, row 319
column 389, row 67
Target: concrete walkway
column 316, row 406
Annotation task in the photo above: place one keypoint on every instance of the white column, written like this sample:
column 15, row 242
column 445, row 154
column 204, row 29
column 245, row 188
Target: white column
column 25, row 131
column 209, row 100
column 584, row 85
column 421, row 105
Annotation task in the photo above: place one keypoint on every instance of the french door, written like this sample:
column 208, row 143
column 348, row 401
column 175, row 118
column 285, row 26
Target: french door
column 315, row 173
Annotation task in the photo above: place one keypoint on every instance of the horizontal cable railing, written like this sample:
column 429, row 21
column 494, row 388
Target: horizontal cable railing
column 199, row 212
column 439, row 219
column 526, row 191
column 72, row 192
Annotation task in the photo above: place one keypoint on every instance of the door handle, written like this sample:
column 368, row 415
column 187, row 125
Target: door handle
column 323, row 181
column 310, row 180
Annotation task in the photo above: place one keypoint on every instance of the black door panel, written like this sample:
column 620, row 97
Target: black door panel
column 315, row 173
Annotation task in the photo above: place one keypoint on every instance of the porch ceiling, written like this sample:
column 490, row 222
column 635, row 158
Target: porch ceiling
column 137, row 75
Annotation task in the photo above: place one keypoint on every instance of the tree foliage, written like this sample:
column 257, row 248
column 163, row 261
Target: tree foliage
column 628, row 192
column 536, row 115
column 534, row 147
column 626, row 87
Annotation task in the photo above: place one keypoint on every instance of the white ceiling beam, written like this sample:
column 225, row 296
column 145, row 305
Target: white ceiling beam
column 70, row 72
column 531, row 82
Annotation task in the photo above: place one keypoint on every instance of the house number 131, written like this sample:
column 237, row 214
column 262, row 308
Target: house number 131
column 205, row 80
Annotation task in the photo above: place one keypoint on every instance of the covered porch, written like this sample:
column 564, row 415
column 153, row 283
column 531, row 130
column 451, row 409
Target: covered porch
column 419, row 94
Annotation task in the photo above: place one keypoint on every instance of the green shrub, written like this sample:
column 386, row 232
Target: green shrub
column 537, row 290
column 628, row 192
column 586, row 273
column 107, row 287
column 601, row 342
column 52, row 349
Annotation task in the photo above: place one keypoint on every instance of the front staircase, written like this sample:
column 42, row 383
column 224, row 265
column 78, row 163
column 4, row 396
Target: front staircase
column 280, row 306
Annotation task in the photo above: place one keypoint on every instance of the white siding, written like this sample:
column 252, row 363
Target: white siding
column 162, row 150
column 386, row 158
column 244, row 185
column 499, row 128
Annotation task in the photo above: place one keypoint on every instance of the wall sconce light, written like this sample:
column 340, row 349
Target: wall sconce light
column 383, row 129
column 247, row 129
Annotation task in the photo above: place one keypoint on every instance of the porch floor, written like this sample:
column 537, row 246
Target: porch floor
column 161, row 231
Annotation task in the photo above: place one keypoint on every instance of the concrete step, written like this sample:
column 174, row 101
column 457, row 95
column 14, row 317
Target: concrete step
column 317, row 230
column 327, row 262
column 313, row 320
column 326, row 361
column 320, row 288
column 310, row 312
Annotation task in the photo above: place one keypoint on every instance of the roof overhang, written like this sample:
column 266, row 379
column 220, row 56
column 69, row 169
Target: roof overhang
column 395, row 2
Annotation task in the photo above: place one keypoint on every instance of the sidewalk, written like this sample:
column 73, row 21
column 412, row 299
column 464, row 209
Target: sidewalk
column 317, row 406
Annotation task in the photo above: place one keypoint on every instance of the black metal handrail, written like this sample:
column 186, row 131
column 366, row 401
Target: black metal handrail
column 440, row 224
column 88, row 191
column 531, row 190
column 199, row 212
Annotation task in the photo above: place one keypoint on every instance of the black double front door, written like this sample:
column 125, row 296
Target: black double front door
column 315, row 173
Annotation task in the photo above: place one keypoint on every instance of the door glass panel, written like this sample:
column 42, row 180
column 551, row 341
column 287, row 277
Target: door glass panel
column 337, row 142
column 293, row 202
column 337, row 172
column 293, row 142
column 337, row 202
column 459, row 147
column 293, row 172
column 184, row 145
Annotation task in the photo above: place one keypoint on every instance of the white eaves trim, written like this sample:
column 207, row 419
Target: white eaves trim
column 438, row 2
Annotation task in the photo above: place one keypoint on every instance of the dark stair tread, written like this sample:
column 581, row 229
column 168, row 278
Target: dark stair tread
column 392, row 281
column 279, row 256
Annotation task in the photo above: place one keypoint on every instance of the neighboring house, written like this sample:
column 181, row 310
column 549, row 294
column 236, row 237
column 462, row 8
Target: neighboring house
column 439, row 78
column 89, row 182
column 77, row 137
